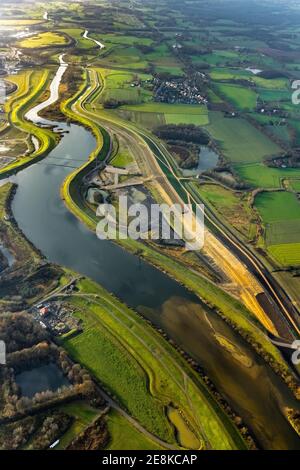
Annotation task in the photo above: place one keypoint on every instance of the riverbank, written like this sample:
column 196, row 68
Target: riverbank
column 10, row 235
column 108, row 324
column 30, row 87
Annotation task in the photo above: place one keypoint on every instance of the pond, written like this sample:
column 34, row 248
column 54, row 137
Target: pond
column 40, row 379
column 208, row 159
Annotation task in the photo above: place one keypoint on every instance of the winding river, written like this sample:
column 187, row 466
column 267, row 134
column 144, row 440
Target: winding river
column 86, row 36
column 248, row 384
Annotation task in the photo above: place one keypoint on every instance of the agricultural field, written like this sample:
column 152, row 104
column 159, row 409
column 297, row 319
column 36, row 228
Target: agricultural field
column 218, row 58
column 77, row 35
column 239, row 140
column 123, row 40
column 280, row 84
column 138, row 53
column 241, row 97
column 125, row 20
column 122, row 86
column 154, row 114
column 43, row 40
column 280, row 214
column 275, row 126
column 259, row 175
column 162, row 60
column 274, row 95
column 233, row 207
column 127, row 58
column 228, row 73
column 19, row 22
column 294, row 184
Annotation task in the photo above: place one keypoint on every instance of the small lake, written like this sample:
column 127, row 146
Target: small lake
column 40, row 379
column 208, row 159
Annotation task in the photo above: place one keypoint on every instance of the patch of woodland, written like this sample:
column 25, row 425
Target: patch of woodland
column 36, row 432
column 95, row 437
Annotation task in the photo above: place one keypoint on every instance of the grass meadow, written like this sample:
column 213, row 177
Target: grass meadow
column 240, row 141
column 141, row 370
column 41, row 40
column 280, row 214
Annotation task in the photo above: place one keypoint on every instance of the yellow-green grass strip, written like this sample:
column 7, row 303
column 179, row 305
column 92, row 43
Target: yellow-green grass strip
column 31, row 84
column 108, row 322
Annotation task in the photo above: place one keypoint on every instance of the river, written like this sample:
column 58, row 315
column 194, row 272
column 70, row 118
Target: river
column 249, row 385
column 86, row 36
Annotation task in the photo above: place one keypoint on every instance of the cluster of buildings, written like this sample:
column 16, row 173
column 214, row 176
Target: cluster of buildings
column 271, row 111
column 177, row 91
column 56, row 317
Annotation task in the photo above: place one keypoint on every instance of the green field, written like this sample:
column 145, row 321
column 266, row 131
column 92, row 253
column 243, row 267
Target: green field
column 262, row 176
column 239, row 140
column 170, row 113
column 47, row 39
column 231, row 206
column 122, row 159
column 126, row 437
column 276, row 96
column 122, row 39
column 77, row 33
column 275, row 206
column 124, row 52
column 273, row 125
column 280, row 213
column 271, row 84
column 217, row 57
column 294, row 184
column 118, row 85
column 227, row 73
column 128, row 58
column 286, row 255
column 241, row 97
